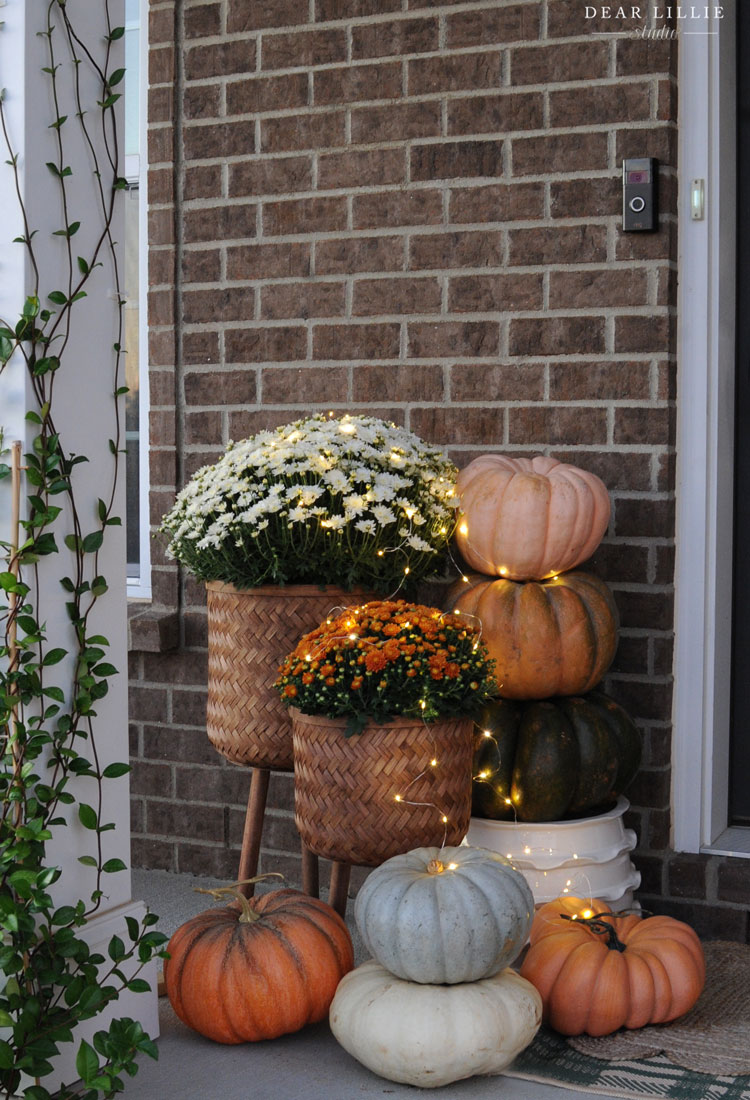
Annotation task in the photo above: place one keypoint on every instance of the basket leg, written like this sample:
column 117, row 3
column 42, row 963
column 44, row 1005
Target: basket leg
column 310, row 873
column 256, row 808
column 339, row 888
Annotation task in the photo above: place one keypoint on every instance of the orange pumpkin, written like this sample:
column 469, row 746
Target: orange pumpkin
column 597, row 971
column 257, row 969
column 529, row 518
column 555, row 637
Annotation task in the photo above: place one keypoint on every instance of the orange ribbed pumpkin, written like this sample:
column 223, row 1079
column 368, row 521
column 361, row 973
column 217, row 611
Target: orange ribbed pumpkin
column 258, row 969
column 599, row 974
column 555, row 637
column 529, row 518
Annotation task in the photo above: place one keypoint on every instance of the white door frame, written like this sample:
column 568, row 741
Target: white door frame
column 705, row 441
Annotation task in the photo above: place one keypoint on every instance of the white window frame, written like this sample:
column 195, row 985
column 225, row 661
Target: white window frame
column 136, row 167
column 705, row 446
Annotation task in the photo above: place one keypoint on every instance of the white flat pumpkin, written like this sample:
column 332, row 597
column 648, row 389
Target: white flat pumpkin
column 431, row 1035
column 445, row 915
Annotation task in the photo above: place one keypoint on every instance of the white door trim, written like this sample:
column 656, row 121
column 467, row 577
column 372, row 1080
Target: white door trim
column 705, row 430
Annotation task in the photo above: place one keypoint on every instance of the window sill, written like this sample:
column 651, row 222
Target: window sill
column 151, row 630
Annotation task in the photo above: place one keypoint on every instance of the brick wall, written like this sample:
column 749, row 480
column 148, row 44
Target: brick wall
column 410, row 208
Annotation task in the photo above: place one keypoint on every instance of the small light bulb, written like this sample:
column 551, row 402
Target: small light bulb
column 397, row 798
column 527, row 850
column 433, row 763
column 407, row 570
column 587, row 914
column 463, row 528
column 380, row 553
column 486, row 733
column 444, row 819
column 465, row 579
column 503, row 571
column 508, row 802
column 352, row 637
column 452, row 866
column 422, row 703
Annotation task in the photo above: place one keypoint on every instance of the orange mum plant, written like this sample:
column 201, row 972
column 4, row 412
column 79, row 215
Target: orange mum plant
column 388, row 659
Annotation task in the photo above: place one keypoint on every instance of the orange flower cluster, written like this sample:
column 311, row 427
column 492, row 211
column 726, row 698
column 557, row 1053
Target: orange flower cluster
column 388, row 658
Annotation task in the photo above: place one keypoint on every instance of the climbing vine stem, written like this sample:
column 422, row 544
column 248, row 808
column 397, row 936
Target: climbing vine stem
column 51, row 772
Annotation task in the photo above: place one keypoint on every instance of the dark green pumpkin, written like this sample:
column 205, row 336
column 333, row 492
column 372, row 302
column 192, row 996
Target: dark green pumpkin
column 570, row 756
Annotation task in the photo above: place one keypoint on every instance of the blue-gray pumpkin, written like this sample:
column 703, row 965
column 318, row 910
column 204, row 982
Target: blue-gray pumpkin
column 445, row 915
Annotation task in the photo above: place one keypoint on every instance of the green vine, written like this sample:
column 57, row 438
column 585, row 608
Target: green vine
column 52, row 981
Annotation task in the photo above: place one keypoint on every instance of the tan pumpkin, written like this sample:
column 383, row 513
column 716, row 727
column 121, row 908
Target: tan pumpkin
column 529, row 518
column 554, row 637
column 598, row 971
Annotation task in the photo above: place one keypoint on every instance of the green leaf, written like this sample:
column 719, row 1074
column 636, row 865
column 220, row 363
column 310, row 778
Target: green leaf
column 93, row 541
column 139, row 985
column 115, row 33
column 112, row 866
column 113, row 771
column 115, row 77
column 88, row 816
column 88, row 861
column 6, row 349
column 87, row 1061
column 83, row 266
column 54, row 656
column 58, row 297
column 7, row 1057
column 116, row 949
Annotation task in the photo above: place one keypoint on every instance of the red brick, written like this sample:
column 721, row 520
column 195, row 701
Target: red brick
column 232, row 304
column 605, row 381
column 161, row 267
column 220, row 387
column 395, row 122
column 263, row 13
column 352, row 9
column 300, row 49
column 219, row 59
column 552, row 335
column 161, row 348
column 458, row 249
column 160, row 104
column 160, row 227
column 496, row 382
column 459, row 425
column 377, row 341
column 406, row 295
column 496, row 113
column 358, row 168
column 179, row 819
column 607, row 287
column 560, row 153
column 600, row 103
column 490, row 293
column 202, row 101
column 200, row 348
column 282, row 386
column 267, row 93
column 567, row 19
column 160, row 145
column 203, row 21
column 203, row 427
column 348, row 255
column 557, row 62
column 492, row 26
column 559, row 244
column 649, row 518
column 650, row 332
column 270, row 176
column 545, row 425
column 202, row 266
column 161, row 65
column 215, row 141
column 454, row 72
column 161, row 25
column 400, row 382
column 310, row 299
column 219, row 223
column 661, row 140
column 497, row 202
column 620, row 563
column 646, row 246
column 450, row 160
column 394, row 39
column 636, row 56
column 577, row 198
column 633, row 475
column 202, row 181
column 313, row 215
column 460, row 339
column 387, row 208
column 357, row 83
column 303, row 131
column 268, row 261
column 259, row 345
column 643, row 425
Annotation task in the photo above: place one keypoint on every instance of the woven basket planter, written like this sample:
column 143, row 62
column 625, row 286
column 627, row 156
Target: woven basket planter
column 250, row 631
column 345, row 788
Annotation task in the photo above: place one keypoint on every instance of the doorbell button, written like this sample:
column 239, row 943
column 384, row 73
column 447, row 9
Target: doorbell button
column 640, row 176
column 637, row 204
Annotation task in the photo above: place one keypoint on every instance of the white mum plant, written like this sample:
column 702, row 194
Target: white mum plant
column 350, row 500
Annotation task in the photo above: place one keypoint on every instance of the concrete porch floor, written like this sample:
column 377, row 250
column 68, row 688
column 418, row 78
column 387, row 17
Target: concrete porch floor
column 309, row 1065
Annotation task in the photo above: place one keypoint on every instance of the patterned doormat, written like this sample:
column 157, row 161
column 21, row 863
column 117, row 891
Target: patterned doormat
column 703, row 1056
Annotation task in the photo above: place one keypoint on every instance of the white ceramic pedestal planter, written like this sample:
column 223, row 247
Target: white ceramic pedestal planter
column 586, row 857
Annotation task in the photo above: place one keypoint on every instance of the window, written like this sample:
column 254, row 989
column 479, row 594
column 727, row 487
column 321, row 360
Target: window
column 135, row 285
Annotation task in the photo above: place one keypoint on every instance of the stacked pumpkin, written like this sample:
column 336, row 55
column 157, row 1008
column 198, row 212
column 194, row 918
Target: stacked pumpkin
column 438, row 1001
column 548, row 746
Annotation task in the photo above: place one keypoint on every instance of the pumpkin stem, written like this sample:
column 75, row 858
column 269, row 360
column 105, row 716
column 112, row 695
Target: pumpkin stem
column 219, row 893
column 601, row 927
column 435, row 867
